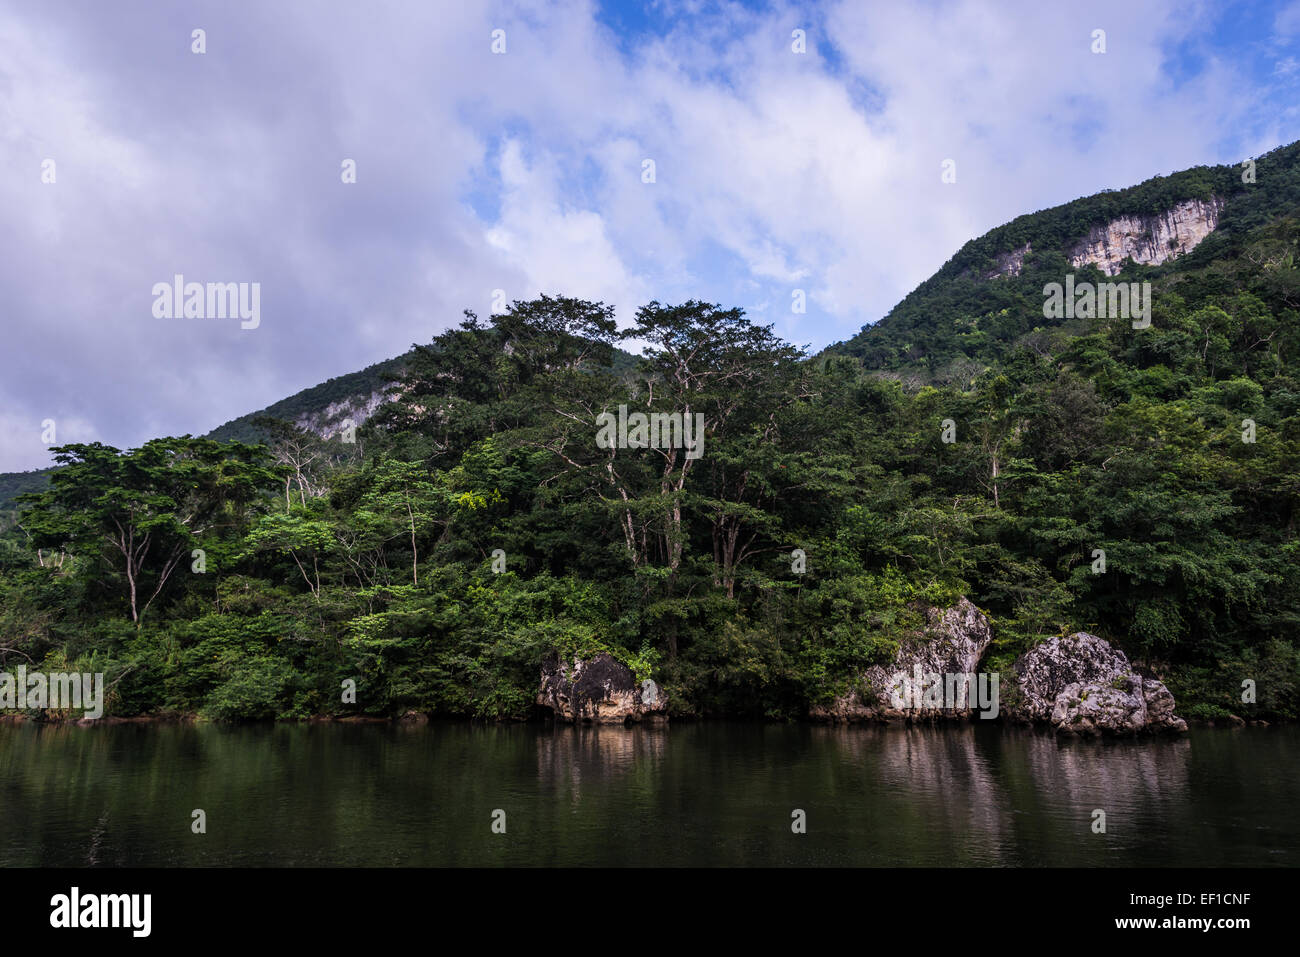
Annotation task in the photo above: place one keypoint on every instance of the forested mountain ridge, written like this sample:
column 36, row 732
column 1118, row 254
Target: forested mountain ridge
column 323, row 409
column 988, row 298
column 953, row 323
column 1141, row 483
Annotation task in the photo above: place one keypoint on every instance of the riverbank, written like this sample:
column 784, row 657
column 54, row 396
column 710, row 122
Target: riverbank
column 420, row 718
column 1079, row 685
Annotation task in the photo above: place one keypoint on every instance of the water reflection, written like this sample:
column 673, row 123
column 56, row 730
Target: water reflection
column 686, row 794
column 568, row 754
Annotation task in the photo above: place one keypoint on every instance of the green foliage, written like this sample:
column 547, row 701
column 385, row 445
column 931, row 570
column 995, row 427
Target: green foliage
column 382, row 566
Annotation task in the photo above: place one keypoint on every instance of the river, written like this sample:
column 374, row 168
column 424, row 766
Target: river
column 709, row 793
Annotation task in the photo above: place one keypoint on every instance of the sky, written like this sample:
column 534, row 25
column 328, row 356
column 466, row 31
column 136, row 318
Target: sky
column 501, row 151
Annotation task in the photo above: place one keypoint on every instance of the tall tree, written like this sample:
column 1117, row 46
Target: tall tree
column 145, row 509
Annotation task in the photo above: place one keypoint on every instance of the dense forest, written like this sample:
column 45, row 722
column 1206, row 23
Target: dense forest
column 476, row 526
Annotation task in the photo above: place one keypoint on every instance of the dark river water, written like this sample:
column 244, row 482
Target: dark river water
column 689, row 794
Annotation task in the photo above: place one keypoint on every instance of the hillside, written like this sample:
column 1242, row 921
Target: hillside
column 13, row 484
column 322, row 409
column 988, row 298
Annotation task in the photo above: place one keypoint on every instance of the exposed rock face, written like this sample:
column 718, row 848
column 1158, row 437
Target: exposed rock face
column 1010, row 263
column 952, row 642
column 335, row 418
column 1081, row 685
column 600, row 689
column 1149, row 240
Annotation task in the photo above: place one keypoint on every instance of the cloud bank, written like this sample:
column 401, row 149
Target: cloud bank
column 526, row 170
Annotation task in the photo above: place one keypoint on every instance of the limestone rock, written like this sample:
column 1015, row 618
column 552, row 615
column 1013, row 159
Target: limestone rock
column 1009, row 263
column 1149, row 240
column 1082, row 685
column 600, row 690
column 953, row 642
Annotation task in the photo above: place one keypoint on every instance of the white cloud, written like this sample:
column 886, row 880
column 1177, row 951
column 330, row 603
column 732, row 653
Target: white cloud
column 559, row 248
column 1287, row 21
column 774, row 170
column 24, row 439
